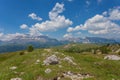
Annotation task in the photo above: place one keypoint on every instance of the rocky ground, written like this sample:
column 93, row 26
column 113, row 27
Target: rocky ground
column 52, row 64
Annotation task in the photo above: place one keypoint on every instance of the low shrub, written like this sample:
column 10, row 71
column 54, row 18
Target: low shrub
column 22, row 53
column 30, row 48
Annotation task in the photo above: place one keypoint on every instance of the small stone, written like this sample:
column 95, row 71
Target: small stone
column 58, row 78
column 56, row 52
column 63, row 54
column 37, row 61
column 13, row 67
column 21, row 73
column 15, row 72
column 48, row 50
column 44, row 54
column 16, row 79
column 113, row 79
column 69, row 60
column 60, row 66
column 40, row 78
column 48, row 71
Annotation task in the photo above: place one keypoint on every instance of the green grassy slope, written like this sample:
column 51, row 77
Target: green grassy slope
column 27, row 69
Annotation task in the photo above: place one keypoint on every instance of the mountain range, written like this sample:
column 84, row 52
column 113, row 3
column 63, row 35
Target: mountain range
column 92, row 40
column 21, row 42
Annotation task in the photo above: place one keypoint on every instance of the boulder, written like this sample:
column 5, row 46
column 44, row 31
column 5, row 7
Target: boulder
column 112, row 57
column 51, row 60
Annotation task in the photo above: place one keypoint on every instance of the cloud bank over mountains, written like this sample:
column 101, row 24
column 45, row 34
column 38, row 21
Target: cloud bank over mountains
column 103, row 25
column 54, row 23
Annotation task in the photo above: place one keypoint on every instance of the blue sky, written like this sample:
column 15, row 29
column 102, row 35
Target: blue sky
column 60, row 18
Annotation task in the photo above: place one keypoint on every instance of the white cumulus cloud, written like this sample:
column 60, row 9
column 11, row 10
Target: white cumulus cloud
column 77, row 28
column 115, row 14
column 68, row 36
column 34, row 32
column 8, row 37
column 56, row 21
column 1, row 34
column 101, row 25
column 34, row 17
column 58, row 8
column 24, row 26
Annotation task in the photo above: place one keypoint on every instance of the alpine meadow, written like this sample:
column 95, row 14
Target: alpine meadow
column 59, row 39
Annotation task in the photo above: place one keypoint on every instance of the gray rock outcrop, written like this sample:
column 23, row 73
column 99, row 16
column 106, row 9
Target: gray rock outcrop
column 112, row 57
column 51, row 60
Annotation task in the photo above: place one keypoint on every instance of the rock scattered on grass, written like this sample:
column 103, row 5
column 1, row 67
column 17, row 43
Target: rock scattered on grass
column 19, row 73
column 51, row 60
column 112, row 57
column 69, row 60
column 48, row 71
column 56, row 78
column 56, row 53
column 13, row 67
column 48, row 50
column 37, row 61
column 16, row 79
column 75, row 76
column 63, row 54
column 113, row 79
column 44, row 54
column 39, row 78
column 60, row 66
column 117, row 51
